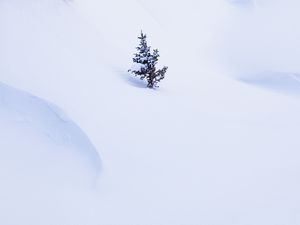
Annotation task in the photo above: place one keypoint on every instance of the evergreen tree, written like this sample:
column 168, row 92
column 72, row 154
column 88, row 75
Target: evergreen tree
column 145, row 63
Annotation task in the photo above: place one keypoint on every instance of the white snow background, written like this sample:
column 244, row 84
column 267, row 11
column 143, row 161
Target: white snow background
column 217, row 143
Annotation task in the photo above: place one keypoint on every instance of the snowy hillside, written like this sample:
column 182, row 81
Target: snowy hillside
column 215, row 144
column 42, row 150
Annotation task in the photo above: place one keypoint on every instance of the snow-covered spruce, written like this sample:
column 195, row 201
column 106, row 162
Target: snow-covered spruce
column 144, row 63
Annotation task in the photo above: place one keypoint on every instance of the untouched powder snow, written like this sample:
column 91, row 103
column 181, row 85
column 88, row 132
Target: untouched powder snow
column 204, row 148
column 44, row 159
column 41, row 118
column 263, row 40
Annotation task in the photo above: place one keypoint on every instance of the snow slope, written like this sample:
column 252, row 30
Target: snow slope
column 202, row 149
column 43, row 154
column 263, row 40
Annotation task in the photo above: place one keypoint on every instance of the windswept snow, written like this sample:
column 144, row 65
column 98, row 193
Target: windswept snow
column 38, row 133
column 263, row 39
column 45, row 159
column 204, row 148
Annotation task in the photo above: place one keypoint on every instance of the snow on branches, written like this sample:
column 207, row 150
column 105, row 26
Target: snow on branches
column 144, row 63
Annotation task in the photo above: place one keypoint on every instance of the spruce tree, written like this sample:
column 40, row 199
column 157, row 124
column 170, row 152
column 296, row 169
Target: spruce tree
column 144, row 63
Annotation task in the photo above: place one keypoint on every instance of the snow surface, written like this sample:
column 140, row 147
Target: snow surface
column 42, row 151
column 204, row 148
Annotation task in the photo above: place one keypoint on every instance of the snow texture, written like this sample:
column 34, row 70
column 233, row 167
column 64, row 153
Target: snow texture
column 217, row 143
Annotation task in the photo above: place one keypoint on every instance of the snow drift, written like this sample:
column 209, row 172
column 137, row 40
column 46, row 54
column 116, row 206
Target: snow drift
column 44, row 159
column 202, row 149
column 264, row 39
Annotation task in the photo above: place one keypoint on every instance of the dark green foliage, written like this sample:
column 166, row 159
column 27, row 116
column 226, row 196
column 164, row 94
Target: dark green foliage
column 145, row 64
